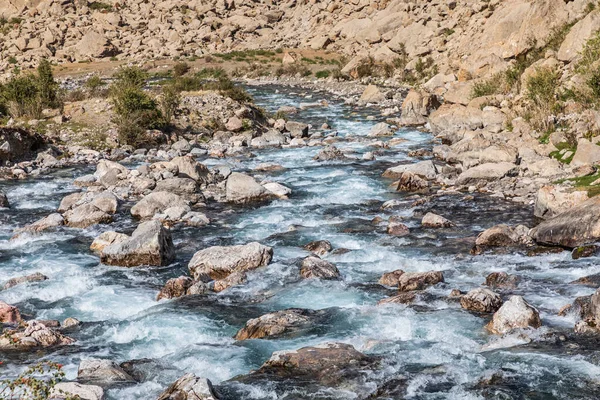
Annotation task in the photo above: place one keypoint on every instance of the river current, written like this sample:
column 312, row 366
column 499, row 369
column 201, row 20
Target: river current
column 437, row 349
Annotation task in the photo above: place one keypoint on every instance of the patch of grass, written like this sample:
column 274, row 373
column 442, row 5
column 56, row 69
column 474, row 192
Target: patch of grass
column 99, row 6
column 485, row 88
column 214, row 73
column 584, row 183
column 180, row 69
column 243, row 55
column 293, row 70
column 323, row 74
column 542, row 96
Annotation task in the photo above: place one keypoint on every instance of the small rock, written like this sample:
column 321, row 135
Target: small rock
column 391, row 278
column 101, row 372
column 432, row 220
column 36, row 277
column 314, row 267
column 319, row 247
column 481, row 300
column 419, row 280
column 514, row 314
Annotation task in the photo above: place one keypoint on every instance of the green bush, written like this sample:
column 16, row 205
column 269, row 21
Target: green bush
column 542, row 95
column 99, row 6
column 47, row 86
column 180, row 69
column 485, row 88
column 169, row 102
column 323, row 74
column 135, row 111
column 214, row 73
column 227, row 88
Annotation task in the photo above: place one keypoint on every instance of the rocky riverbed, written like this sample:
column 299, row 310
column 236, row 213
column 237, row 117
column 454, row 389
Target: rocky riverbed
column 335, row 263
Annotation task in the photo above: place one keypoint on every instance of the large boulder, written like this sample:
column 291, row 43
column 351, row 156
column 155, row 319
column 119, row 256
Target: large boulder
column 553, row 200
column 481, row 300
column 372, row 94
column 579, row 34
column 190, row 387
column 242, row 188
column 74, row 390
column 329, row 364
column 297, row 129
column 49, row 222
column 150, row 244
column 586, row 153
column 431, row 220
column 218, row 262
column 314, row 267
column 156, row 202
column 423, row 169
column 515, row 313
column 278, row 323
column 99, row 371
column 487, row 172
column 416, row 108
column 106, row 239
column 330, row 153
column 419, row 280
column 503, row 235
column 94, row 45
column 575, row 227
column 190, row 168
column 31, row 336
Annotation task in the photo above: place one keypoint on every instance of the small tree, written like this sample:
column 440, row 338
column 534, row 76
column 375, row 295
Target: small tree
column 47, row 86
column 180, row 69
column 169, row 102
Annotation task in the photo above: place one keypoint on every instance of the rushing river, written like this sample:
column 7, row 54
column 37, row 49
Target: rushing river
column 437, row 349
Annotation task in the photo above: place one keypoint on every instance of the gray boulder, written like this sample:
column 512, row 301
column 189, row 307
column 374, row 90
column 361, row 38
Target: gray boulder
column 156, row 202
column 150, row 244
column 190, row 387
column 242, row 188
column 102, row 372
column 218, row 262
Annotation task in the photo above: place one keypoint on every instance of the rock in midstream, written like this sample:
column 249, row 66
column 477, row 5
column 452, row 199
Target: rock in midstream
column 218, row 262
column 278, row 323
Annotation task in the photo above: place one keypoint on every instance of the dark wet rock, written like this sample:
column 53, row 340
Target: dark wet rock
column 481, row 300
column 409, row 182
column 314, row 267
column 190, row 387
column 431, row 220
column 242, row 188
column 590, row 280
column 502, row 280
column 329, row 153
column 535, row 251
column 397, row 228
column 329, row 364
column 575, row 227
column 218, row 262
column 515, row 313
column 581, row 306
column 141, row 369
column 590, row 314
column 419, row 280
column 106, row 239
column 36, row 277
column 319, row 247
column 9, row 314
column 33, row 335
column 198, row 288
column 175, row 287
column 278, row 323
column 149, row 244
column 236, row 278
column 584, row 251
column 401, row 298
column 4, row 201
column 75, row 390
column 391, row 278
column 156, row 202
column 18, row 144
column 103, row 372
column 49, row 222
column 392, row 389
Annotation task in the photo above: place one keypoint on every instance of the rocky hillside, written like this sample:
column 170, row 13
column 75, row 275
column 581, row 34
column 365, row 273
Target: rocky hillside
column 476, row 36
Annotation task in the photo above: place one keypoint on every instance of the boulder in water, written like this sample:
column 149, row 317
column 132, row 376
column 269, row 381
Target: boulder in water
column 156, row 202
column 431, row 220
column 391, row 278
column 578, row 226
column 501, row 280
column 330, row 153
column 380, row 130
column 242, row 188
column 319, row 247
column 74, row 390
column 419, row 280
column 106, row 239
column 175, row 287
column 49, row 222
column 33, row 335
column 102, row 372
column 410, row 182
column 9, row 314
column 190, row 387
column 36, row 277
column 515, row 313
column 481, row 300
column 218, row 262
column 502, row 236
column 278, row 323
column 314, row 267
column 150, row 244
column 296, row 129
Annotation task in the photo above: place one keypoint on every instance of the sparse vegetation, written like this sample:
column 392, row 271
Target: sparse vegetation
column 180, row 69
column 99, row 6
column 541, row 92
column 36, row 383
column 323, row 74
